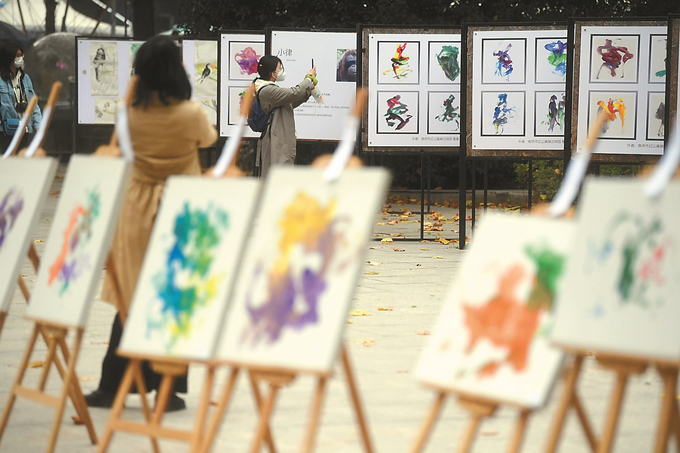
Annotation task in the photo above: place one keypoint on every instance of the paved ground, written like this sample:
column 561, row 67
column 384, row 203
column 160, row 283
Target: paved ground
column 384, row 348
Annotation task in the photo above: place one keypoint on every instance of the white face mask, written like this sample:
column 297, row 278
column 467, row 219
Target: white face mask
column 281, row 76
column 19, row 62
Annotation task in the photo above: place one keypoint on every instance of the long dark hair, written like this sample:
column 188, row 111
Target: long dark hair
column 8, row 53
column 267, row 65
column 159, row 67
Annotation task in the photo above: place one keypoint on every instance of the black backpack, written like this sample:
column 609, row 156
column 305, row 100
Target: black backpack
column 258, row 120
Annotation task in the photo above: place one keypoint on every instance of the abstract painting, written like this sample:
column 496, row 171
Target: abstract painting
column 399, row 112
column 621, row 284
column 205, row 68
column 551, row 60
column 504, row 60
column 550, row 109
column 614, row 59
column 398, row 62
column 443, row 112
column 79, row 238
column 300, row 268
column 189, row 267
column 492, row 337
column 104, row 110
column 134, row 47
column 621, row 108
column 104, row 68
column 243, row 59
column 657, row 60
column 443, row 62
column 24, row 184
column 503, row 113
column 656, row 115
column 235, row 97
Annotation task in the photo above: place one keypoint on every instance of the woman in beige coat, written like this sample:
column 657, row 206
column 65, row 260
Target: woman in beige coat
column 166, row 129
column 276, row 145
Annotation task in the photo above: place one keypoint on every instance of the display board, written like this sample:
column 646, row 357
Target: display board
column 104, row 70
column 619, row 67
column 516, row 90
column 24, row 184
column 200, row 59
column 673, row 100
column 239, row 55
column 491, row 340
column 413, row 78
column 299, row 271
column 622, row 280
column 79, row 240
column 189, row 267
column 332, row 52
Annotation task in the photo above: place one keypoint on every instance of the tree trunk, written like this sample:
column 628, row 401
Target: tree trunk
column 143, row 19
column 50, row 8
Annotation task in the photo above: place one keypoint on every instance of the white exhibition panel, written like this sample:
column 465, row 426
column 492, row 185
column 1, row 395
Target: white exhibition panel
column 104, row 70
column 297, row 50
column 632, row 88
column 413, row 101
column 239, row 54
column 518, row 96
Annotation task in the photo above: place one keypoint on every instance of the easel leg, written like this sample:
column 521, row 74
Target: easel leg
column 3, row 315
column 520, row 429
column 667, row 416
column 356, row 401
column 162, row 398
column 676, row 425
column 18, row 380
column 118, row 403
column 585, row 423
column 567, row 397
column 265, row 413
column 203, row 409
column 479, row 410
column 51, row 351
column 219, row 411
column 268, row 438
column 142, row 391
column 470, row 433
column 429, row 422
column 613, row 415
column 70, row 374
column 315, row 415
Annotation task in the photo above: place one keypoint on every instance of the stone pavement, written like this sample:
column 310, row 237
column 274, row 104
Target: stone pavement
column 384, row 349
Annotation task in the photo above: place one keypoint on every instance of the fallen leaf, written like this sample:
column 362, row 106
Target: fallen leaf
column 423, row 332
column 417, row 264
column 36, row 364
column 368, row 343
column 392, row 222
column 442, row 240
column 87, row 378
column 47, row 219
column 349, row 321
column 24, row 275
column 386, row 240
column 55, row 192
column 402, row 371
column 407, row 213
column 398, row 250
column 38, row 240
column 396, row 235
column 359, row 313
column 489, row 432
column 213, row 403
column 77, row 420
column 373, row 248
column 372, row 273
column 373, row 263
column 437, row 257
column 58, row 177
column 384, row 308
column 380, row 223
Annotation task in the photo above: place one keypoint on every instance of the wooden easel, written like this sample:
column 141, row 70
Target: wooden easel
column 276, row 379
column 624, row 367
column 55, row 337
column 479, row 409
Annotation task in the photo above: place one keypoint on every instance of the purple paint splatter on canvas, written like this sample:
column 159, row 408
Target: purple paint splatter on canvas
column 10, row 207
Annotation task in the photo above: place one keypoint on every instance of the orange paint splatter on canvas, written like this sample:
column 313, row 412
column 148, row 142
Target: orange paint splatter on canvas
column 505, row 321
column 58, row 263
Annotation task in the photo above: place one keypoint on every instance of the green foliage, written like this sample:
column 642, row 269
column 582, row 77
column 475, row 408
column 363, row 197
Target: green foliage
column 547, row 177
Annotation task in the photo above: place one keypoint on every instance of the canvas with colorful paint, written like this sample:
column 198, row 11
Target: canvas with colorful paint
column 189, row 267
column 24, row 184
column 78, row 242
column 300, row 268
column 621, row 285
column 491, row 339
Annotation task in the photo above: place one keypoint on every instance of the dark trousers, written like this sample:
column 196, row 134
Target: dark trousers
column 113, row 367
column 5, row 140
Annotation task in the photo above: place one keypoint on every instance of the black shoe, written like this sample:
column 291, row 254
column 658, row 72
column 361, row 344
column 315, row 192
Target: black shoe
column 100, row 398
column 175, row 403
